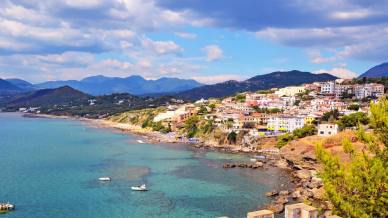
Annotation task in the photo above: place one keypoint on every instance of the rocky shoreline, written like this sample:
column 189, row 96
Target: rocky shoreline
column 308, row 186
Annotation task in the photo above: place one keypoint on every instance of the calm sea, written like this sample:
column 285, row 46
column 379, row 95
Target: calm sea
column 50, row 168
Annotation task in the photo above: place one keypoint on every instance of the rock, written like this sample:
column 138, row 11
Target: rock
column 281, row 200
column 284, row 192
column 281, row 164
column 276, row 208
column 296, row 194
column 318, row 193
column 303, row 174
column 271, row 193
column 317, row 181
column 257, row 164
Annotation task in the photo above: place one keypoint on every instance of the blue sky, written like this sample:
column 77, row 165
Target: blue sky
column 210, row 41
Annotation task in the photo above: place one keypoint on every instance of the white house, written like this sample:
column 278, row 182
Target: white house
column 327, row 88
column 300, row 210
column 327, row 129
column 285, row 123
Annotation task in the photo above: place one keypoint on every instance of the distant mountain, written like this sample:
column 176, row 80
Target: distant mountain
column 136, row 85
column 8, row 88
column 22, row 84
column 260, row 82
column 377, row 71
column 61, row 96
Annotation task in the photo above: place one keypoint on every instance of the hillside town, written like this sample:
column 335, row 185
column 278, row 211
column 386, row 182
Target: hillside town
column 269, row 113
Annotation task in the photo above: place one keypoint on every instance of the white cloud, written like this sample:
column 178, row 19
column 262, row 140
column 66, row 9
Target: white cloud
column 213, row 53
column 339, row 72
column 211, row 79
column 186, row 35
column 161, row 47
column 363, row 42
column 317, row 58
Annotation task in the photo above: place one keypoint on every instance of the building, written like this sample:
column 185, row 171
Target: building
column 328, row 87
column 327, row 129
column 340, row 90
column 300, row 210
column 261, row 214
column 290, row 91
column 369, row 90
column 285, row 123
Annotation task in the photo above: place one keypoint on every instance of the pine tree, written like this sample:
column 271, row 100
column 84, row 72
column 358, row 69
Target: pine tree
column 359, row 188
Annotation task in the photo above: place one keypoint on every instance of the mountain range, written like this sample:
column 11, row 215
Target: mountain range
column 376, row 71
column 136, row 85
column 260, row 82
column 8, row 88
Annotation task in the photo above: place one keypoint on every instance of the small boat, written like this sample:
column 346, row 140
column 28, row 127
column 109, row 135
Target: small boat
column 140, row 141
column 105, row 179
column 6, row 207
column 139, row 188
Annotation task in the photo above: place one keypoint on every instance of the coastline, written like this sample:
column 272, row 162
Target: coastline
column 307, row 186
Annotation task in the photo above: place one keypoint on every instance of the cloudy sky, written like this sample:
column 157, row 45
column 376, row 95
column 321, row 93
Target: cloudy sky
column 209, row 41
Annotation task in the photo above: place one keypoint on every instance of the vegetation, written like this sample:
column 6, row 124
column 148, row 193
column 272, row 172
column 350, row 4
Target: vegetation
column 359, row 189
column 353, row 120
column 267, row 110
column 191, row 126
column 307, row 130
column 232, row 137
column 331, row 115
column 354, row 107
column 240, row 97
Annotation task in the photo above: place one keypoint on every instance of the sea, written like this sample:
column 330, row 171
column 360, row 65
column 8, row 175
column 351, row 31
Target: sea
column 50, row 168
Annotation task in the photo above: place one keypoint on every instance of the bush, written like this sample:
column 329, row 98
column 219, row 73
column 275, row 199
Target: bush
column 353, row 120
column 307, row 130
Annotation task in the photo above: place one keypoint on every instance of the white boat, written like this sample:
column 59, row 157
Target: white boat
column 105, row 179
column 6, row 206
column 140, row 141
column 139, row 188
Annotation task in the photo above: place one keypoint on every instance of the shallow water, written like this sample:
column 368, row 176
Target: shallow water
column 50, row 167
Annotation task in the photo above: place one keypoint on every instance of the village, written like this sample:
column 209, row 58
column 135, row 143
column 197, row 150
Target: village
column 270, row 113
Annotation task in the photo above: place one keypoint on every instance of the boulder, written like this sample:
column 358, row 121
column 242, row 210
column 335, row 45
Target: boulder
column 276, row 208
column 281, row 200
column 303, row 174
column 272, row 193
column 296, row 194
column 282, row 163
column 284, row 192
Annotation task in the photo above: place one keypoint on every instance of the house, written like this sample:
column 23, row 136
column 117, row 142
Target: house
column 284, row 123
column 300, row 210
column 261, row 214
column 290, row 91
column 328, row 87
column 327, row 129
column 369, row 90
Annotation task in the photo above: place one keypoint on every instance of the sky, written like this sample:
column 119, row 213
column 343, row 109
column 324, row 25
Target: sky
column 206, row 40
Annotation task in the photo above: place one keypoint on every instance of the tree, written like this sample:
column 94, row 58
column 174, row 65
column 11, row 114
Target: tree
column 353, row 120
column 354, row 107
column 240, row 97
column 190, row 126
column 359, row 189
column 331, row 115
column 232, row 138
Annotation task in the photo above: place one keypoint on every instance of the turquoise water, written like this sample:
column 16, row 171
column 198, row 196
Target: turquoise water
column 49, row 168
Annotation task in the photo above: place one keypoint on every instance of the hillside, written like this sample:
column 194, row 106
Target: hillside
column 61, row 96
column 8, row 88
column 376, row 71
column 136, row 85
column 22, row 84
column 260, row 82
